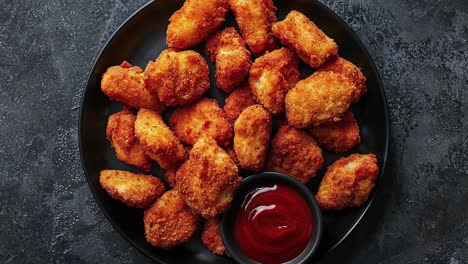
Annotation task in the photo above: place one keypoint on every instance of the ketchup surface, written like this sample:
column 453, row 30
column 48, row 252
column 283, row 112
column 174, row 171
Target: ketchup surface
column 273, row 224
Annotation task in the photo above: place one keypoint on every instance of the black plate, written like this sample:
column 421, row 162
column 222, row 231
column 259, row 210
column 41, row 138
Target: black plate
column 140, row 39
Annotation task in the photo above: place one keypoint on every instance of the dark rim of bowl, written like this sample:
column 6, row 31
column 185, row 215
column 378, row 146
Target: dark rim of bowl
column 97, row 58
column 262, row 179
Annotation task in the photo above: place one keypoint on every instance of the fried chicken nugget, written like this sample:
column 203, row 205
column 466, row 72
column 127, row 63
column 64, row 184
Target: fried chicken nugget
column 348, row 182
column 169, row 221
column 255, row 18
column 178, row 77
column 207, row 180
column 227, row 49
column 211, row 237
column 309, row 42
column 295, row 153
column 126, row 84
column 120, row 132
column 338, row 136
column 170, row 176
column 136, row 190
column 203, row 117
column 237, row 101
column 321, row 98
column 272, row 76
column 351, row 71
column 194, row 22
column 157, row 140
column 252, row 136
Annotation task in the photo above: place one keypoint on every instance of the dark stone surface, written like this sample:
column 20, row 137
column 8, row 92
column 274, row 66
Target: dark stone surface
column 47, row 212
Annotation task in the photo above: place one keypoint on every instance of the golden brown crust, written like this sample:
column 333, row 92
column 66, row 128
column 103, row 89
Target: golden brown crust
column 169, row 221
column 203, row 117
column 194, row 22
column 321, row 98
column 207, row 180
column 120, row 132
column 351, row 71
column 348, row 182
column 295, row 153
column 126, row 84
column 178, row 77
column 227, row 49
column 338, row 136
column 157, row 140
column 170, row 176
column 255, row 18
column 232, row 154
column 237, row 101
column 251, row 137
column 305, row 38
column 272, row 76
column 136, row 190
column 211, row 237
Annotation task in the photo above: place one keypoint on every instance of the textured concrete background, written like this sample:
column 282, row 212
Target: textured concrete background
column 47, row 212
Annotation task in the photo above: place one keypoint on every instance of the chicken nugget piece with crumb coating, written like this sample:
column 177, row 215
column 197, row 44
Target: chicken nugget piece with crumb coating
column 338, row 136
column 194, row 22
column 237, row 101
column 157, row 140
column 120, row 132
column 211, row 237
column 170, row 177
column 255, row 18
column 137, row 190
column 203, row 117
column 321, row 98
column 169, row 221
column 295, row 153
column 232, row 154
column 227, row 50
column 348, row 182
column 178, row 77
column 302, row 35
column 252, row 132
column 208, row 179
column 351, row 71
column 272, row 76
column 126, row 84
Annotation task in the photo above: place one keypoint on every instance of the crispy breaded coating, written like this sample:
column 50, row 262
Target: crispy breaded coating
column 272, row 76
column 207, row 180
column 255, row 18
column 348, row 182
column 120, row 132
column 211, row 237
column 170, row 176
column 305, row 38
column 158, row 141
column 351, row 71
column 295, row 153
column 194, row 22
column 321, row 98
column 227, row 50
column 232, row 154
column 133, row 189
column 237, row 101
column 252, row 136
column 169, row 221
column 203, row 117
column 338, row 136
column 126, row 84
column 178, row 77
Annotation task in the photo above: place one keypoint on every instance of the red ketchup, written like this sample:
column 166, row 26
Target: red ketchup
column 273, row 225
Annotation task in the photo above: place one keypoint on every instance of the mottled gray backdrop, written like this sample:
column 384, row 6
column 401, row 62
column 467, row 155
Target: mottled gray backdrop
column 47, row 212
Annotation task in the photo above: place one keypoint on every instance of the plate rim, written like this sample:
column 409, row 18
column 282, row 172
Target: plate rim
column 355, row 38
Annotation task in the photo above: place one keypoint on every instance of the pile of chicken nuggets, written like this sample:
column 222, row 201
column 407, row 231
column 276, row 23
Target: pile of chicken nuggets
column 203, row 147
